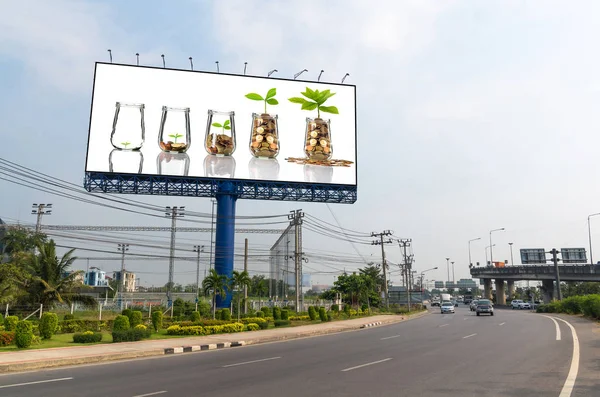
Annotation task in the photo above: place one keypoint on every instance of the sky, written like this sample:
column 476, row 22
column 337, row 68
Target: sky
column 472, row 116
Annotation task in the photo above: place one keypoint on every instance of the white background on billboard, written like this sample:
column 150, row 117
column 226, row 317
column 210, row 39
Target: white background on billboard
column 201, row 92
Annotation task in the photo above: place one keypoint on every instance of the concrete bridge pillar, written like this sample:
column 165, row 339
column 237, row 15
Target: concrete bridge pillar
column 487, row 288
column 500, row 296
column 511, row 289
column 548, row 286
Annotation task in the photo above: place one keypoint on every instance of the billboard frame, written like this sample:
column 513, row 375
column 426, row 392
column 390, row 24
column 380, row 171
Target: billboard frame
column 107, row 182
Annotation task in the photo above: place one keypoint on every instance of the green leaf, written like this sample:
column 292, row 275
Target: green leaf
column 227, row 127
column 272, row 92
column 272, row 101
column 310, row 94
column 254, row 97
column 297, row 100
column 309, row 105
column 226, row 123
column 323, row 96
column 217, row 125
column 329, row 109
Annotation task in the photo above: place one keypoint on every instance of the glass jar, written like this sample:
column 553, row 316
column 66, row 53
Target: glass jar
column 220, row 133
column 264, row 136
column 219, row 166
column 128, row 131
column 174, row 132
column 168, row 163
column 263, row 169
column 317, row 173
column 125, row 161
column 317, row 145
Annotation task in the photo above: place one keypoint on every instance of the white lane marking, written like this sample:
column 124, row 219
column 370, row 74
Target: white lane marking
column 443, row 325
column 366, row 365
column 468, row 336
column 572, row 376
column 251, row 362
column 151, row 394
column 557, row 327
column 465, row 318
column 390, row 337
column 501, row 323
column 35, row 383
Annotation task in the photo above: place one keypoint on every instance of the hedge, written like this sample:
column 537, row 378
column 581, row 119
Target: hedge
column 71, row 326
column 312, row 313
column 588, row 305
column 136, row 318
column 10, row 323
column 121, row 323
column 253, row 327
column 208, row 330
column 157, row 320
column 48, row 325
column 195, row 316
column 87, row 337
column 24, row 334
column 131, row 335
column 299, row 318
column 263, row 325
column 322, row 314
column 225, row 314
column 282, row 323
column 285, row 314
column 255, row 320
column 68, row 317
column 7, row 338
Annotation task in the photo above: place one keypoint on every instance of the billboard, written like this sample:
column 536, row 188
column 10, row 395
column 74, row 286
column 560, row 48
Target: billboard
column 533, row 256
column 177, row 123
column 573, row 255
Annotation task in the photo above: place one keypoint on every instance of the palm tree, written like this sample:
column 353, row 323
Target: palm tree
column 215, row 284
column 260, row 289
column 53, row 278
column 238, row 281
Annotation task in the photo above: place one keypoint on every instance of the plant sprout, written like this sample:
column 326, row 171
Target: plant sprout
column 125, row 144
column 226, row 125
column 317, row 99
column 269, row 98
column 175, row 136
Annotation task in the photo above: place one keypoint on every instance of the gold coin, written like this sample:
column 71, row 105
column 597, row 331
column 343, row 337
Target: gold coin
column 270, row 139
column 313, row 142
column 259, row 138
column 314, row 134
column 260, row 130
column 323, row 142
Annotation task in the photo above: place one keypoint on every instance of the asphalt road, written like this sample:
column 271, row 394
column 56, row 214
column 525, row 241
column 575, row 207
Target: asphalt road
column 513, row 353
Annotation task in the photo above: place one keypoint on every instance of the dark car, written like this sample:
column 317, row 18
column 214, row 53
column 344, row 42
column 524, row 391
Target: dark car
column 485, row 307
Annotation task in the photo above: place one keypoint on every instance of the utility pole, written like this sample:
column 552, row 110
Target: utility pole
column 40, row 210
column 295, row 218
column 212, row 227
column 246, row 270
column 383, row 261
column 198, row 249
column 407, row 269
column 453, row 279
column 172, row 212
column 121, row 286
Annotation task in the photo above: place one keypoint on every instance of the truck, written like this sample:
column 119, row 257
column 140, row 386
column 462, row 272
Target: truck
column 445, row 297
column 468, row 299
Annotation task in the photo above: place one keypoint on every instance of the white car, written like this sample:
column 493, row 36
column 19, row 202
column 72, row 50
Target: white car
column 515, row 304
column 447, row 307
column 525, row 305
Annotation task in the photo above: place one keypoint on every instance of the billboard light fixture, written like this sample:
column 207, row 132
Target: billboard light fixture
column 163, row 59
column 217, row 62
column 299, row 73
column 245, row 65
column 137, row 58
column 319, row 78
column 344, row 78
column 191, row 63
column 271, row 72
column 110, row 54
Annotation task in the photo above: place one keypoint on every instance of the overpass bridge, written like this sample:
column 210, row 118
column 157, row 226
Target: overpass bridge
column 543, row 273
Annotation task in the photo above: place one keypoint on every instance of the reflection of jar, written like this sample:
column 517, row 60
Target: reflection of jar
column 318, row 173
column 173, row 164
column 128, row 131
column 174, row 132
column 263, row 169
column 126, row 162
column 317, row 145
column 219, row 166
column 264, row 136
column 220, row 133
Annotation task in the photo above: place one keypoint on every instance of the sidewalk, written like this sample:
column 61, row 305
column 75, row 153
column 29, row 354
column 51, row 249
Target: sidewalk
column 62, row 356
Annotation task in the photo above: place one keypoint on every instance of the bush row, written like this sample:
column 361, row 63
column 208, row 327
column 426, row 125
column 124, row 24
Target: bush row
column 87, row 337
column 207, row 330
column 588, row 305
column 299, row 318
column 131, row 335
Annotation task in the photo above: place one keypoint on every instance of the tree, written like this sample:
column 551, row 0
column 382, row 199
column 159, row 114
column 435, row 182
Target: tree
column 215, row 284
column 261, row 289
column 14, row 283
column 238, row 281
column 20, row 243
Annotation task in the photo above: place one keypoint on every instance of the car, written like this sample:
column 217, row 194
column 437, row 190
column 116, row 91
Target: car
column 435, row 302
column 515, row 304
column 455, row 303
column 473, row 305
column 524, row 305
column 485, row 306
column 447, row 307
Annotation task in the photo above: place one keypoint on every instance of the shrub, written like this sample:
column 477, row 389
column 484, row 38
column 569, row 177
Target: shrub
column 255, row 320
column 253, row 327
column 204, row 308
column 312, row 313
column 299, row 318
column 225, row 314
column 329, row 317
column 79, row 325
column 207, row 330
column 121, row 323
column 126, row 312
column 130, row 335
column 263, row 325
column 1, row 320
column 591, row 306
column 87, row 337
column 282, row 323
column 157, row 320
column 24, row 334
column 48, row 325
column 347, row 309
column 572, row 305
column 277, row 313
column 267, row 311
column 322, row 314
column 195, row 316
column 335, row 308
column 141, row 326
column 260, row 314
column 68, row 317
column 136, row 318
column 7, row 338
column 10, row 323
column 218, row 314
column 179, row 330
column 285, row 314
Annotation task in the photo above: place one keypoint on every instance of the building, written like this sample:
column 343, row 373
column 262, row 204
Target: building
column 128, row 280
column 95, row 278
column 319, row 288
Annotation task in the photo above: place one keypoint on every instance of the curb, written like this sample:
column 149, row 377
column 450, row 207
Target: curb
column 196, row 348
column 371, row 324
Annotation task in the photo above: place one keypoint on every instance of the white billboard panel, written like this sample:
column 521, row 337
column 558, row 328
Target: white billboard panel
column 156, row 121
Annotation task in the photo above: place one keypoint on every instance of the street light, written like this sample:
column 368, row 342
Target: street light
column 453, row 279
column 475, row 239
column 512, row 262
column 422, row 273
column 590, row 236
column 448, row 267
column 491, row 245
column 486, row 256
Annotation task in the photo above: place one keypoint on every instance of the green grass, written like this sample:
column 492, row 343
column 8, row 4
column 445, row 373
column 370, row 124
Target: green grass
column 59, row 340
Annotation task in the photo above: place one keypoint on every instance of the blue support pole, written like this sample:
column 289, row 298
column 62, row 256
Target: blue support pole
column 225, row 235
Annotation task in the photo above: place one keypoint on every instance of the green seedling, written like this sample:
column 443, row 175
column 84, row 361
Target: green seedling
column 125, row 144
column 175, row 136
column 226, row 125
column 317, row 99
column 269, row 98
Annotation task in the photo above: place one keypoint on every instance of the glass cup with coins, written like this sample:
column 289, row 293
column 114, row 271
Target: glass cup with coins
column 264, row 136
column 317, row 145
